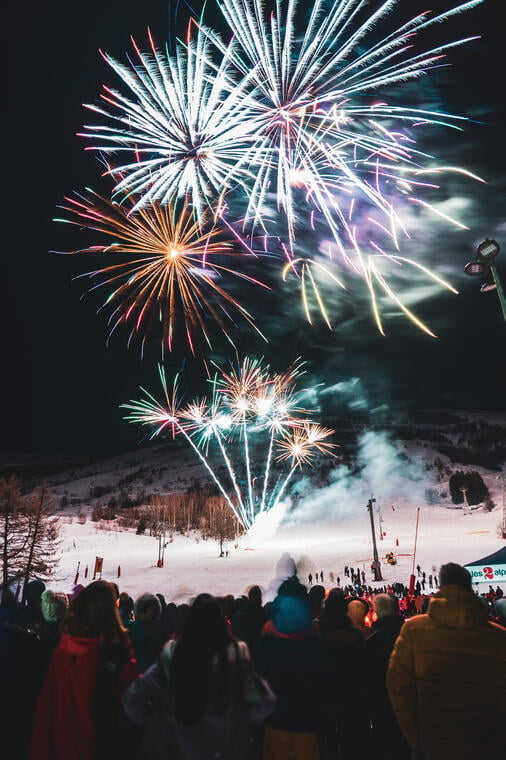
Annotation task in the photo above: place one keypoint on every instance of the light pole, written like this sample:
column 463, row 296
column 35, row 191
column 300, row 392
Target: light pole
column 503, row 523
column 483, row 266
column 376, row 566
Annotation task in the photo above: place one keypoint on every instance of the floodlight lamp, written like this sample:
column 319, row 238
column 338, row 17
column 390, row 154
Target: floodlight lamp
column 478, row 268
column 488, row 249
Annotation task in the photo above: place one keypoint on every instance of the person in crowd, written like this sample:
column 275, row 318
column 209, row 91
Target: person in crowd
column 145, row 631
column 447, row 675
column 247, row 622
column 316, row 597
column 297, row 662
column 388, row 742
column 21, row 675
column 358, row 608
column 77, row 714
column 54, row 605
column 126, row 608
column 500, row 609
column 202, row 697
column 343, row 718
column 31, row 613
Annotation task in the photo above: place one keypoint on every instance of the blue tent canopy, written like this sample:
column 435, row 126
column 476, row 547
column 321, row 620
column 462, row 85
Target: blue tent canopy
column 497, row 558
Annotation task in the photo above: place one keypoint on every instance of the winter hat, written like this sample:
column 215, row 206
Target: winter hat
column 292, row 587
column 147, row 607
column 75, row 591
column 34, row 589
column 455, row 575
column 335, row 604
column 292, row 615
column 54, row 605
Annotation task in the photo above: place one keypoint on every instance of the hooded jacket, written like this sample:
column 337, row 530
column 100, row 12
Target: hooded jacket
column 74, row 701
column 297, row 662
column 447, row 679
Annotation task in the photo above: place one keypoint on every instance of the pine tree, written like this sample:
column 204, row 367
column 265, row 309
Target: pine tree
column 43, row 531
column 13, row 533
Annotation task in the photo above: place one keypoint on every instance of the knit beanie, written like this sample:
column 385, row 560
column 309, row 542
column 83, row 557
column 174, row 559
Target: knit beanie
column 54, row 605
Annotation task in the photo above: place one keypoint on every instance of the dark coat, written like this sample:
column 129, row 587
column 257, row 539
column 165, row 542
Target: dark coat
column 297, row 665
column 447, row 679
column 378, row 648
column 147, row 641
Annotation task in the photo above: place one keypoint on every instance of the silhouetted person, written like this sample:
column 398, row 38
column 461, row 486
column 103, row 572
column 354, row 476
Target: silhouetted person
column 78, row 710
column 343, row 725
column 200, row 699
column 296, row 661
column 447, row 675
column 388, row 742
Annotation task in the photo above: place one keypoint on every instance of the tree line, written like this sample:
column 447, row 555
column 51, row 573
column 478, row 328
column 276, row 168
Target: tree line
column 29, row 533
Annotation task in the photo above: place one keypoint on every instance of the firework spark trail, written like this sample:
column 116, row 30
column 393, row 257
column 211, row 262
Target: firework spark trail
column 268, row 404
column 171, row 266
column 314, row 132
column 299, row 82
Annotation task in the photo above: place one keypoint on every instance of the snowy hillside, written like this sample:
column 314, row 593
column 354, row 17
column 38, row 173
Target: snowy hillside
column 322, row 526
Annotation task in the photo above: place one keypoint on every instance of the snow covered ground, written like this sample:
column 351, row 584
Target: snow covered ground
column 327, row 529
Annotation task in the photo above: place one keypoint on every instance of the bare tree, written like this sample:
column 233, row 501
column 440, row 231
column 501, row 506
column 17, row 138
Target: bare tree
column 222, row 523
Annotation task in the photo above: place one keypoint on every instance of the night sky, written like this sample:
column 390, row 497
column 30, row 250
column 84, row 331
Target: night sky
column 63, row 385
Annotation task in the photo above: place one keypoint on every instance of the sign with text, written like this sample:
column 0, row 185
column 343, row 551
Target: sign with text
column 487, row 573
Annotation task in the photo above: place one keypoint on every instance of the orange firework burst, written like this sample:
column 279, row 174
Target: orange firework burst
column 170, row 271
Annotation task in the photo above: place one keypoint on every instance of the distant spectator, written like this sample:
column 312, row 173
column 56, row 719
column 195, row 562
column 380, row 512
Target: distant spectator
column 447, row 675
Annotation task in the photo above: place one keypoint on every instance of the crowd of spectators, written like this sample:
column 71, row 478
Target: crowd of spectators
column 317, row 674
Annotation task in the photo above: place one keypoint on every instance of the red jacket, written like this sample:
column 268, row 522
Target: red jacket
column 64, row 728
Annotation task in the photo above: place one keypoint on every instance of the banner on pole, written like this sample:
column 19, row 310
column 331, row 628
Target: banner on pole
column 99, row 561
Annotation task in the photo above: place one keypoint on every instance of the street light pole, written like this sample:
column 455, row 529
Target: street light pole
column 500, row 291
column 376, row 566
column 483, row 266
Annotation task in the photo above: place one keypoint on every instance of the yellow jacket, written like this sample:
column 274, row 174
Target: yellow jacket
column 447, row 679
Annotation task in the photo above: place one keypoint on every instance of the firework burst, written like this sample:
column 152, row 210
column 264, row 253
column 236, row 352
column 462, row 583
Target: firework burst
column 254, row 441
column 183, row 126
column 170, row 270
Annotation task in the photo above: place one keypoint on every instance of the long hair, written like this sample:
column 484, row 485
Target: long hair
column 200, row 669
column 93, row 613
